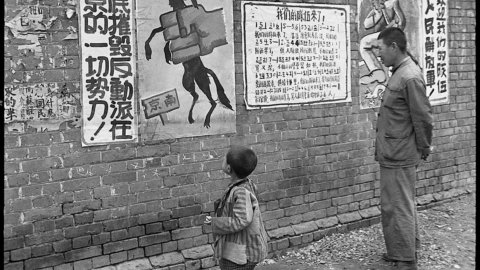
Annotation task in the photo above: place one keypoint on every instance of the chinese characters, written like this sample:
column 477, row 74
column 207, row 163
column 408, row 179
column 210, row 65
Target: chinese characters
column 108, row 71
column 436, row 50
column 295, row 54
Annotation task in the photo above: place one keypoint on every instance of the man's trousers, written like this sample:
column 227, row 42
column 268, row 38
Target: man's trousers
column 399, row 213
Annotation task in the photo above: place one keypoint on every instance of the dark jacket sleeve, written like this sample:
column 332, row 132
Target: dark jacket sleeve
column 421, row 114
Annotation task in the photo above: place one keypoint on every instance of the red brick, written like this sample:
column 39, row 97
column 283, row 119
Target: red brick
column 118, row 154
column 21, row 254
column 20, row 205
column 101, row 238
column 42, row 202
column 135, row 254
column 119, row 235
column 31, row 190
column 82, row 241
column 16, row 153
column 186, row 211
column 35, row 139
column 42, row 250
column 83, row 264
column 101, row 261
column 42, row 262
column 11, row 141
column 44, row 226
column 118, row 257
column 62, row 246
column 153, row 250
column 13, row 243
column 84, row 218
column 82, row 206
column 38, row 152
column 10, row 194
column 18, row 180
column 79, row 159
column 119, row 178
column 83, row 253
column 118, row 201
column 82, row 230
column 37, row 165
column 11, row 167
column 154, row 239
column 79, row 184
column 120, row 246
column 50, row 189
column 13, row 266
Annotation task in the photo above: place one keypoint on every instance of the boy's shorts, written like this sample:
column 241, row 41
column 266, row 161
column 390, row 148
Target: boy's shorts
column 229, row 265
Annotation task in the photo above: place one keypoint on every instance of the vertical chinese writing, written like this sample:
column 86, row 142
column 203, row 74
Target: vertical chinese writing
column 108, row 71
column 295, row 54
column 436, row 50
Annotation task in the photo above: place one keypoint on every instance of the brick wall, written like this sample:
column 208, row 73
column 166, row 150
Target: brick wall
column 68, row 207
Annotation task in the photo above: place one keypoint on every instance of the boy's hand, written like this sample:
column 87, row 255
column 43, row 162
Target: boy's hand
column 208, row 220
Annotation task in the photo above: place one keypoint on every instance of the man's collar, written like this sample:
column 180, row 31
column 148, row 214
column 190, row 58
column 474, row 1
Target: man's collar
column 402, row 62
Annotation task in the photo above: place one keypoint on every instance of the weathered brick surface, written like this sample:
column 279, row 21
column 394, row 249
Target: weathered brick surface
column 73, row 207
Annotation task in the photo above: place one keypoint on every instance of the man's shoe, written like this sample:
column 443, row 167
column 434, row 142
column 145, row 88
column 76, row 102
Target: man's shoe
column 401, row 265
column 386, row 258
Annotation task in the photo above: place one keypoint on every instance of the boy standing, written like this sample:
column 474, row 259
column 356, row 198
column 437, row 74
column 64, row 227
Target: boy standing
column 239, row 233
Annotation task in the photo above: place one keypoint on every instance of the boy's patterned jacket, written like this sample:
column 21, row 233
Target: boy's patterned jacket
column 239, row 232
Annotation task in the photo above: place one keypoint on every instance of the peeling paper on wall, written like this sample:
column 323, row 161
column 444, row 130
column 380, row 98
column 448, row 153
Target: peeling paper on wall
column 29, row 24
column 29, row 20
column 73, row 33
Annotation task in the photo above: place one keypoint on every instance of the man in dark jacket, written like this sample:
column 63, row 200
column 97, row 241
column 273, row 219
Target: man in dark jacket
column 404, row 136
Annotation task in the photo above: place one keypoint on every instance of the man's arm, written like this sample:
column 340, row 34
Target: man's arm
column 421, row 114
column 148, row 50
column 399, row 17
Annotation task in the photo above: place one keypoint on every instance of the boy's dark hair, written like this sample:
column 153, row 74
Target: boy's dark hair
column 394, row 34
column 242, row 160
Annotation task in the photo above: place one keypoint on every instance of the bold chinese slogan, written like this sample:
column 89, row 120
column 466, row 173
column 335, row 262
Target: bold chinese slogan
column 436, row 50
column 108, row 68
column 295, row 54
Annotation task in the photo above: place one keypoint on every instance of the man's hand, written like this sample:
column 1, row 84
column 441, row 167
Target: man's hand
column 425, row 152
column 208, row 220
column 148, row 51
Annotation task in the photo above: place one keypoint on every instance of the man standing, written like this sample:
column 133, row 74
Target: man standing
column 404, row 136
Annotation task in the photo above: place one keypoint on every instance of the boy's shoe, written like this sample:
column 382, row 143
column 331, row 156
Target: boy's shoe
column 401, row 265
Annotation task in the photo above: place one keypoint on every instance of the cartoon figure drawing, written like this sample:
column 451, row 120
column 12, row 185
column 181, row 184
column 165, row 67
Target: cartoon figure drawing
column 191, row 32
column 385, row 14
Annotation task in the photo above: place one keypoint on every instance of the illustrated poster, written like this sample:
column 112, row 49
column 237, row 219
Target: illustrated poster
column 186, row 68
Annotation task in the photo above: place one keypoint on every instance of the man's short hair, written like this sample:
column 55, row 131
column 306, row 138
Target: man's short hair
column 242, row 160
column 394, row 34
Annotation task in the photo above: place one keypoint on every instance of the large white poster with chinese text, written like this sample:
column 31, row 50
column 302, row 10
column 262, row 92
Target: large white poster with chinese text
column 107, row 41
column 295, row 54
column 435, row 67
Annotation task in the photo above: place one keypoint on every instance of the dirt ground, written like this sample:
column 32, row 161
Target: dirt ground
column 447, row 232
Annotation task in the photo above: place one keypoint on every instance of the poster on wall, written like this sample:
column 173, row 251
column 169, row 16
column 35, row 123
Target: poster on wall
column 107, row 41
column 186, row 72
column 425, row 25
column 40, row 107
column 375, row 16
column 435, row 23
column 295, row 54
